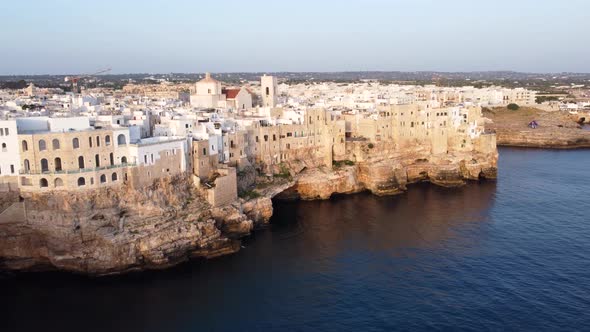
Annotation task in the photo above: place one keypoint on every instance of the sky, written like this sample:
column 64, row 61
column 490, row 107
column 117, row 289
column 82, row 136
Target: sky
column 143, row 36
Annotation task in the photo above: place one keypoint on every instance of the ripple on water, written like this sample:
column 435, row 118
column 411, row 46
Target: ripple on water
column 489, row 256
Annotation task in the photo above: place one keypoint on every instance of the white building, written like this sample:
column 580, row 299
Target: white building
column 207, row 93
column 9, row 152
column 149, row 151
column 238, row 98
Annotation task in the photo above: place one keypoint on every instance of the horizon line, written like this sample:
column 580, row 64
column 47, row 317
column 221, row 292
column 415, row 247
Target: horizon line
column 311, row 72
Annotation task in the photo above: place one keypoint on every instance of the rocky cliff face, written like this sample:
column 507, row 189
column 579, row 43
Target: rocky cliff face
column 121, row 229
column 556, row 130
column 384, row 171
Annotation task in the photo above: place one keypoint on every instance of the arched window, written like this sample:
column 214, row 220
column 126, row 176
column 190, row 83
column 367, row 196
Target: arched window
column 81, row 182
column 44, row 165
column 121, row 140
column 3, row 147
column 27, row 165
column 97, row 140
column 107, row 140
column 112, row 159
column 96, row 160
column 43, row 183
column 124, row 160
column 76, row 143
column 103, row 178
column 25, row 146
column 42, row 145
column 80, row 162
column 58, row 182
column 90, row 141
column 114, row 177
column 57, row 164
column 55, row 144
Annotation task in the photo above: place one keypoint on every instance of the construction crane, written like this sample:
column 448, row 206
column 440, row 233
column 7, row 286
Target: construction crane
column 75, row 79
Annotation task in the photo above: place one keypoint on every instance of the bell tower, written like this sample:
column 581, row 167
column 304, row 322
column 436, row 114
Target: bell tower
column 269, row 91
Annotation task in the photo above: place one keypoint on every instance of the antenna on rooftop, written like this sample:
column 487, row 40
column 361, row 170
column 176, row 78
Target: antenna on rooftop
column 75, row 79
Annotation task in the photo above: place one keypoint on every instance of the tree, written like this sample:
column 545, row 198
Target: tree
column 513, row 107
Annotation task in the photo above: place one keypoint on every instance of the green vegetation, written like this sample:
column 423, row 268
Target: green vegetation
column 262, row 185
column 30, row 107
column 541, row 99
column 513, row 107
column 339, row 164
column 250, row 194
column 284, row 173
column 13, row 85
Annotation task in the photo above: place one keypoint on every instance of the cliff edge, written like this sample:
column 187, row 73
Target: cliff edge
column 121, row 229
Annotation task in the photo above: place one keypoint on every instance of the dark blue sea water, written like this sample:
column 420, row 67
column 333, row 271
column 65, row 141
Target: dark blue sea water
column 511, row 255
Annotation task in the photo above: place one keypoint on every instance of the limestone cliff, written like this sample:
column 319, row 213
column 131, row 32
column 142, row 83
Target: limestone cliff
column 383, row 170
column 119, row 229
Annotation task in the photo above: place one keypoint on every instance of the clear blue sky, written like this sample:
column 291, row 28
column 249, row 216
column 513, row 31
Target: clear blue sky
column 77, row 36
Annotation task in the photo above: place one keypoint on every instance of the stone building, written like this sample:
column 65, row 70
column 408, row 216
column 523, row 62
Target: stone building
column 203, row 162
column 73, row 159
column 315, row 139
column 270, row 91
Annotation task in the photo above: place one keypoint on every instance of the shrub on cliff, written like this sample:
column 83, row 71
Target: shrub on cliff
column 513, row 107
column 248, row 195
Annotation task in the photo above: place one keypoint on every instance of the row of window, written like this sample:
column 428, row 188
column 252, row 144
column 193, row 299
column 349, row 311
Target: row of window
column 81, row 164
column 43, row 183
column 4, row 132
column 56, row 145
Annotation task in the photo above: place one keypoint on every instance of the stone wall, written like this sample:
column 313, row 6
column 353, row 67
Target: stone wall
column 224, row 190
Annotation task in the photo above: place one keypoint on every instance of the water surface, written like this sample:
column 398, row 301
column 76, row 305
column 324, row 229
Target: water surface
column 489, row 256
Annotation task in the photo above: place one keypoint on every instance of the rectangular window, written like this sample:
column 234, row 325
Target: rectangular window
column 6, row 132
column 12, row 169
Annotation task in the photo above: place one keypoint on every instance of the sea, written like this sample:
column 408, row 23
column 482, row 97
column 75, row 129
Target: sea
column 511, row 254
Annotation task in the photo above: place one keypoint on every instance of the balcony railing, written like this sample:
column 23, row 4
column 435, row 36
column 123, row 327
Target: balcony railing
column 76, row 171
